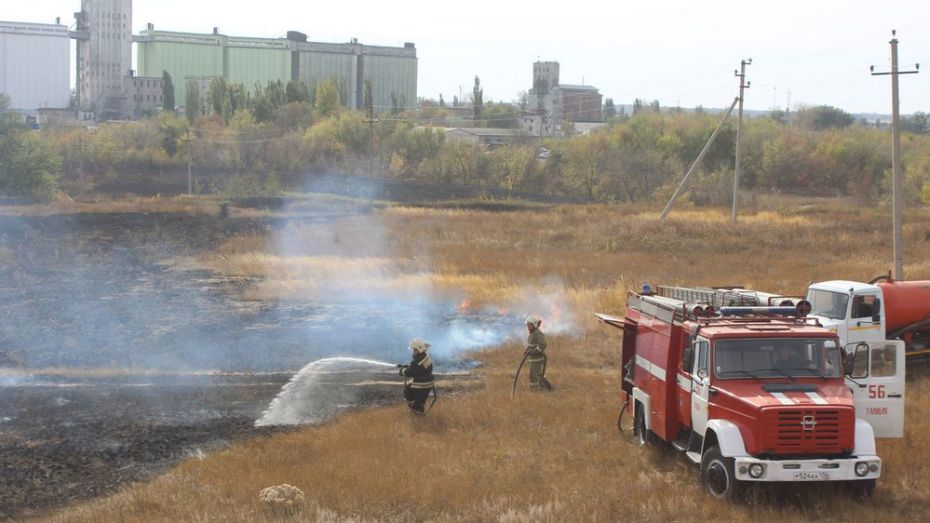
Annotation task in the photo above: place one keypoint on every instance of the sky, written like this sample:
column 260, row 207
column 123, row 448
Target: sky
column 680, row 52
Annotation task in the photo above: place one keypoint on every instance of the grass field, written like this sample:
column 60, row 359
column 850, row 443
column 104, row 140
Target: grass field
column 542, row 457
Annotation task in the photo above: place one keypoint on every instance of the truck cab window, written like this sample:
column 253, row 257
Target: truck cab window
column 883, row 361
column 703, row 357
column 828, row 304
column 768, row 357
column 864, row 306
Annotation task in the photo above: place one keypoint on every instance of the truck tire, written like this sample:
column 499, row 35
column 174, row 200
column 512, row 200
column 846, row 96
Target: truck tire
column 718, row 475
column 860, row 490
column 640, row 432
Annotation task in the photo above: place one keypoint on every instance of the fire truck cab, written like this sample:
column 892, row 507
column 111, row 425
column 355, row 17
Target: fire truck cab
column 748, row 397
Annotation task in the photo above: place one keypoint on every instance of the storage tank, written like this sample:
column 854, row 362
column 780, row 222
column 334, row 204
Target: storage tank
column 906, row 303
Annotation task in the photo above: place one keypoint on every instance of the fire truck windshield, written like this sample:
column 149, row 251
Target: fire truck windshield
column 768, row 357
column 828, row 304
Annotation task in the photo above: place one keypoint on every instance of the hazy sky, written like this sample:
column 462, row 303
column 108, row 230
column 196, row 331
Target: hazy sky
column 681, row 52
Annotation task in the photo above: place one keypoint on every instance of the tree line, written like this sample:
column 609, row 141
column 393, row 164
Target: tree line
column 290, row 127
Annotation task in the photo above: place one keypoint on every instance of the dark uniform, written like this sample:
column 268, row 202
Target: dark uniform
column 417, row 390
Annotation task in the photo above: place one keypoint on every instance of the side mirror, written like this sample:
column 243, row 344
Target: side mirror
column 877, row 317
column 687, row 359
column 853, row 357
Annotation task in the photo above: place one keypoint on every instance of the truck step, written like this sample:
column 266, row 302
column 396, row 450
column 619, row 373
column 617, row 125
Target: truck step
column 694, row 456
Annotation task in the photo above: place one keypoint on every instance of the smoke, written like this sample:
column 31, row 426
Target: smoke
column 388, row 280
column 101, row 291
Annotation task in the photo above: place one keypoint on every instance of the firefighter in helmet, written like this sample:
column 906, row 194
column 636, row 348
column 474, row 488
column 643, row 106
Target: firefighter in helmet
column 536, row 353
column 420, row 371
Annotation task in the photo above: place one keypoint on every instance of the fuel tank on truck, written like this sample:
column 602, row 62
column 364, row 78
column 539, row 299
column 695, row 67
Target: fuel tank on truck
column 906, row 303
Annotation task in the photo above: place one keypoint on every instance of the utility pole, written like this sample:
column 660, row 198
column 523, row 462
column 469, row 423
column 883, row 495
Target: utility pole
column 370, row 102
column 743, row 84
column 896, row 188
column 697, row 161
column 190, row 178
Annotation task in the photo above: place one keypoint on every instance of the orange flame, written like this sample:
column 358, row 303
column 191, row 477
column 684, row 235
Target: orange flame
column 464, row 306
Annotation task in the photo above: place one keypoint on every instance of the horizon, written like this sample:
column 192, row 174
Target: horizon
column 690, row 61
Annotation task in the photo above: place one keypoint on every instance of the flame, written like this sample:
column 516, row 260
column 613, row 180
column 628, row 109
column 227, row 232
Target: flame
column 556, row 315
column 464, row 306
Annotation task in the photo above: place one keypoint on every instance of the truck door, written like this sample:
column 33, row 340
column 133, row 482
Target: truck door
column 700, row 385
column 875, row 375
column 865, row 318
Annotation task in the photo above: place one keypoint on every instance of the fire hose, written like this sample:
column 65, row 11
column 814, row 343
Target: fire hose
column 542, row 376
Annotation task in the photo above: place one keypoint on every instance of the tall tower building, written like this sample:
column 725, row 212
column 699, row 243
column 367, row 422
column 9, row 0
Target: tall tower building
column 104, row 55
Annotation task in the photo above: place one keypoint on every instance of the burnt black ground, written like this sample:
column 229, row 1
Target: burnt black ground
column 59, row 444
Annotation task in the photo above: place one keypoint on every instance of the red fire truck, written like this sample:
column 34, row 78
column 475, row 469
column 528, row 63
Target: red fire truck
column 750, row 393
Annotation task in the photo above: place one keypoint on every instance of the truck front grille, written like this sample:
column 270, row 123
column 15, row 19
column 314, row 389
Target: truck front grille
column 808, row 431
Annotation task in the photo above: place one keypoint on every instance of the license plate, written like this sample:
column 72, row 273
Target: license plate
column 812, row 476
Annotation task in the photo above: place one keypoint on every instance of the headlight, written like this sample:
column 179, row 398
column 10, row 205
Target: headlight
column 756, row 470
column 873, row 467
column 862, row 468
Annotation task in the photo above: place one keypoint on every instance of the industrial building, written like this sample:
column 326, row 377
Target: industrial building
column 551, row 104
column 34, row 65
column 391, row 71
column 103, row 31
column 35, row 58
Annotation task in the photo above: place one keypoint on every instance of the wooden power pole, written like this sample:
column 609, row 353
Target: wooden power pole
column 896, row 187
column 743, row 84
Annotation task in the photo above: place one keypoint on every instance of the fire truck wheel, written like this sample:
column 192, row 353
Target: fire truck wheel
column 640, row 432
column 718, row 476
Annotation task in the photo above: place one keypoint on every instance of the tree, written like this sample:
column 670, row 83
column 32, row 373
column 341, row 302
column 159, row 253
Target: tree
column 917, row 123
column 216, row 94
column 192, row 109
column 327, row 99
column 369, row 100
column 167, row 91
column 500, row 115
column 610, row 110
column 298, row 91
column 442, row 103
column 28, row 165
column 267, row 100
column 4, row 101
column 477, row 98
column 824, row 117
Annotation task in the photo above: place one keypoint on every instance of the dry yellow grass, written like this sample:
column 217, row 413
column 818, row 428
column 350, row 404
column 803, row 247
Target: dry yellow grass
column 558, row 457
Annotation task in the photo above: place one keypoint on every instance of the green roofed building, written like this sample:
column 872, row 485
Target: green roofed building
column 392, row 71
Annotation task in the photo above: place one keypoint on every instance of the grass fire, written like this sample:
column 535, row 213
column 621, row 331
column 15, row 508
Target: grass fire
column 174, row 364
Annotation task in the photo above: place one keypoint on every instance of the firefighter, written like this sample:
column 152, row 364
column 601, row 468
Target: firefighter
column 421, row 371
column 790, row 358
column 536, row 353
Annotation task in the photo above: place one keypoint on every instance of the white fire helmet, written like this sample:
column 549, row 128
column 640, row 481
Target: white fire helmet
column 419, row 345
column 534, row 320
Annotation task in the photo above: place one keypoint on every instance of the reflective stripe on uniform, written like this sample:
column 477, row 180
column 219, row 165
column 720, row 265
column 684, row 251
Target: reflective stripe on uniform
column 422, row 385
